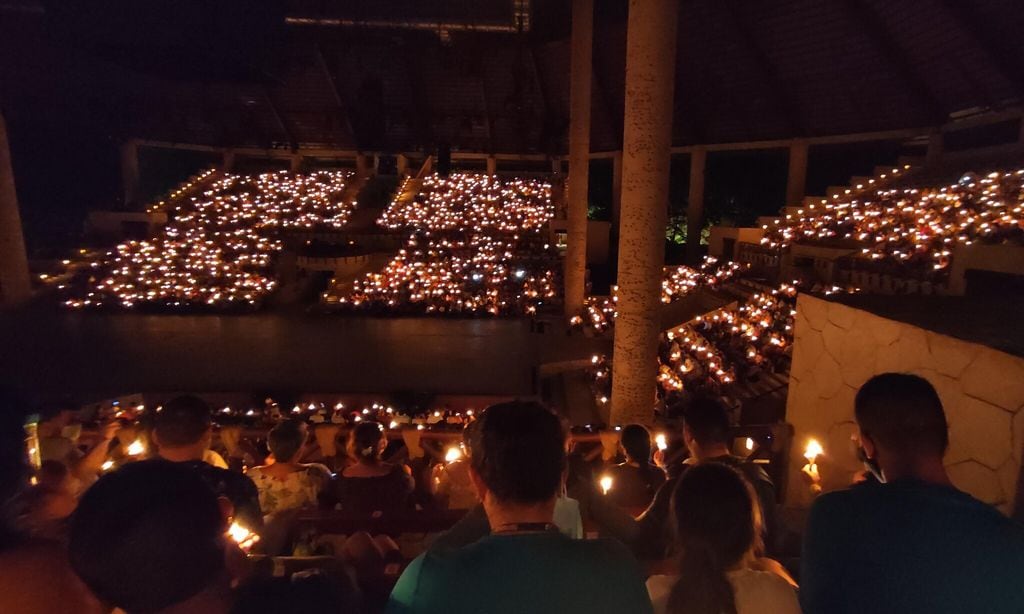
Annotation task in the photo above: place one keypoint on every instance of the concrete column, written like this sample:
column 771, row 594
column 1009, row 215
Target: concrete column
column 492, row 165
column 403, row 164
column 579, row 154
column 1020, row 138
column 556, row 165
column 15, row 287
column 646, row 143
column 130, row 171
column 935, row 148
column 228, row 161
column 695, row 204
column 295, row 163
column 616, row 190
column 796, row 185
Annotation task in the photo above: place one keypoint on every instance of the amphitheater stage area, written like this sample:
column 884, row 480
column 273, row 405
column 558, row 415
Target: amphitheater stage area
column 97, row 354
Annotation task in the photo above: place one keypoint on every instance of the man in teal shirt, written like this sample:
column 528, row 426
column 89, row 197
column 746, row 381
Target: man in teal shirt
column 908, row 541
column 517, row 458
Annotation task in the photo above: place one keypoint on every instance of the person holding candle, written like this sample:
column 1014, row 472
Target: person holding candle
column 182, row 431
column 717, row 532
column 637, row 479
column 908, row 541
column 517, row 459
column 707, row 434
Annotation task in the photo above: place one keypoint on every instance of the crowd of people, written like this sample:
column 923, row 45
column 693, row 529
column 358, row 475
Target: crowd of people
column 217, row 248
column 476, row 246
column 914, row 229
column 711, row 353
column 676, row 282
column 174, row 533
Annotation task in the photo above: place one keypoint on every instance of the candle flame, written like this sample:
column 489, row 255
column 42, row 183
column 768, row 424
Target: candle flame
column 453, row 454
column 606, row 483
column 661, row 441
column 136, row 448
column 813, row 451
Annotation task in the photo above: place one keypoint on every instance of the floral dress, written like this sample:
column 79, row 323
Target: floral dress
column 297, row 490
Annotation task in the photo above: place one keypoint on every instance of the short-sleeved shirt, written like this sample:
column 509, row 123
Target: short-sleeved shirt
column 539, row 573
column 296, row 490
column 755, row 592
column 909, row 546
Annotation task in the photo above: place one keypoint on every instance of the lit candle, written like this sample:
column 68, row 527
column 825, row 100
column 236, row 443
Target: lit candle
column 661, row 441
column 136, row 448
column 242, row 536
column 606, row 483
column 453, row 454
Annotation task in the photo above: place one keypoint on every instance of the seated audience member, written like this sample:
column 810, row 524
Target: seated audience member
column 637, row 479
column 717, row 531
column 371, row 484
column 182, row 432
column 706, row 431
column 35, row 576
column 150, row 537
column 288, row 484
column 58, row 441
column 909, row 541
column 517, row 461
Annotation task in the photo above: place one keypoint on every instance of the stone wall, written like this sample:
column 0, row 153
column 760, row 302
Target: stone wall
column 838, row 348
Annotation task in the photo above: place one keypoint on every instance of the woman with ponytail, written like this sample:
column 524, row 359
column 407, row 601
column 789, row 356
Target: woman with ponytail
column 718, row 532
column 635, row 481
column 370, row 484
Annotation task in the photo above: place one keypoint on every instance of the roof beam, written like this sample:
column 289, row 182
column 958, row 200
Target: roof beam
column 278, row 119
column 782, row 99
column 1004, row 55
column 874, row 27
column 339, row 98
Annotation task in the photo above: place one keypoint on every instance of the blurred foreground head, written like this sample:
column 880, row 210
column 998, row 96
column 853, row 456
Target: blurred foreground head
column 148, row 536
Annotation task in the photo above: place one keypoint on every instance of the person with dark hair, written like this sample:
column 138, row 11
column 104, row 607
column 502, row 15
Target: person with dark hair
column 717, row 530
column 908, row 541
column 517, row 460
column 150, row 537
column 636, row 480
column 371, row 484
column 182, row 430
column 288, row 484
column 707, row 433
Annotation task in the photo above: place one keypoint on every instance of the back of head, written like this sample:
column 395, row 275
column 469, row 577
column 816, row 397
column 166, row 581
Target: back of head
column 716, row 525
column 286, row 439
column 902, row 413
column 636, row 441
column 148, row 536
column 518, row 450
column 707, row 420
column 183, row 421
column 364, row 442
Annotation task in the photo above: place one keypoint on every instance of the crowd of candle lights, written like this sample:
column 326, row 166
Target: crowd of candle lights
column 676, row 282
column 916, row 229
column 218, row 247
column 718, row 349
column 476, row 245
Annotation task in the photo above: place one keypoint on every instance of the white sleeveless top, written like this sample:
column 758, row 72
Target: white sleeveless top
column 757, row 592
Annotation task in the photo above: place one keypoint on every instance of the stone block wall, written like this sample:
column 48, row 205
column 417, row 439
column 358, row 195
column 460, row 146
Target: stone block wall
column 837, row 348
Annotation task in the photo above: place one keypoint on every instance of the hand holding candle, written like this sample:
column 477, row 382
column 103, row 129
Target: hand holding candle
column 811, row 453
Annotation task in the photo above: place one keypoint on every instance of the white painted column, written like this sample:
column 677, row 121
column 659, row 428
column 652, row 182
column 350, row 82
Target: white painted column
column 15, row 287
